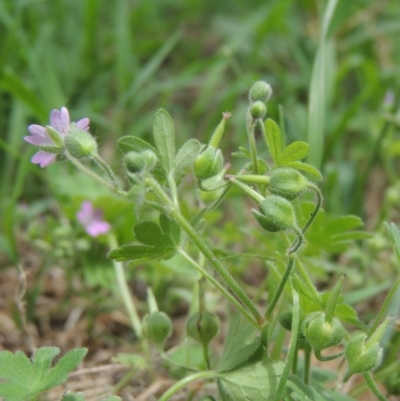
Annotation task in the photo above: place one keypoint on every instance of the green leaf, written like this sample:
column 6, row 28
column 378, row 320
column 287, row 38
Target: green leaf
column 186, row 156
column 395, row 237
column 272, row 136
column 164, row 137
column 240, row 344
column 347, row 314
column 70, row 396
column 343, row 223
column 129, row 143
column 65, row 365
column 149, row 233
column 297, row 150
column 307, row 168
column 255, row 382
column 27, row 379
column 132, row 252
column 171, row 228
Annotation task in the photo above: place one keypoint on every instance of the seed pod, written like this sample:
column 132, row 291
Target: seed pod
column 277, row 214
column 208, row 163
column 258, row 109
column 364, row 354
column 157, row 327
column 202, row 326
column 79, row 143
column 285, row 319
column 287, row 182
column 322, row 334
column 134, row 162
column 260, row 91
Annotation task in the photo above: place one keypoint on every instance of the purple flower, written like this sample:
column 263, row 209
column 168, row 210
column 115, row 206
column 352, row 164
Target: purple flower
column 92, row 220
column 59, row 120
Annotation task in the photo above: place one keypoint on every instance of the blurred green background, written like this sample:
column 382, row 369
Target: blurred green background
column 117, row 62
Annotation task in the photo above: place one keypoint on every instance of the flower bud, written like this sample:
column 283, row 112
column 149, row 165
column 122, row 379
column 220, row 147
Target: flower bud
column 285, row 319
column 364, row 354
column 157, row 327
column 202, row 326
column 322, row 334
column 287, row 182
column 260, row 91
column 150, row 159
column 210, row 196
column 208, row 163
column 277, row 214
column 79, row 143
column 258, row 109
column 134, row 162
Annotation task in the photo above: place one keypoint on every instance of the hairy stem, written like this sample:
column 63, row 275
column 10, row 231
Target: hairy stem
column 206, row 251
column 373, row 387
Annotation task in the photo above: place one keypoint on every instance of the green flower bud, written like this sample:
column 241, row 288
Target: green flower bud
column 134, row 162
column 287, row 182
column 364, row 354
column 150, row 159
column 322, row 334
column 79, row 143
column 157, row 327
column 208, row 163
column 202, row 326
column 285, row 319
column 210, row 196
column 277, row 214
column 258, row 109
column 260, row 91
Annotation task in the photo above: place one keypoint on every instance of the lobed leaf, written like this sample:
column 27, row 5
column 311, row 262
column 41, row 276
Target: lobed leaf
column 255, row 382
column 307, row 168
column 297, row 150
column 272, row 136
column 150, row 233
column 164, row 137
column 186, row 156
column 240, row 344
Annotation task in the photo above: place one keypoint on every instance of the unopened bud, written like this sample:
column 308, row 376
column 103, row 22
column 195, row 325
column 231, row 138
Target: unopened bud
column 287, row 182
column 202, row 326
column 157, row 327
column 260, row 91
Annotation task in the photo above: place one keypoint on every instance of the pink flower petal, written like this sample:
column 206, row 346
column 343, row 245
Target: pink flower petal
column 43, row 158
column 85, row 214
column 83, row 124
column 55, row 120
column 97, row 227
column 37, row 130
column 64, row 119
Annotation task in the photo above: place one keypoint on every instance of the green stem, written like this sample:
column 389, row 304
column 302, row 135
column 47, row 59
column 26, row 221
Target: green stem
column 104, row 165
column 385, row 306
column 207, row 374
column 124, row 381
column 317, row 207
column 252, row 144
column 373, row 387
column 124, row 290
column 90, row 173
column 307, row 363
column 292, row 346
column 323, row 358
column 206, row 251
column 221, row 288
column 298, row 243
column 280, row 288
column 307, row 281
column 206, row 355
column 172, row 188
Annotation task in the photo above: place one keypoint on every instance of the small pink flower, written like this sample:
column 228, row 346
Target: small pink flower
column 59, row 120
column 92, row 220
